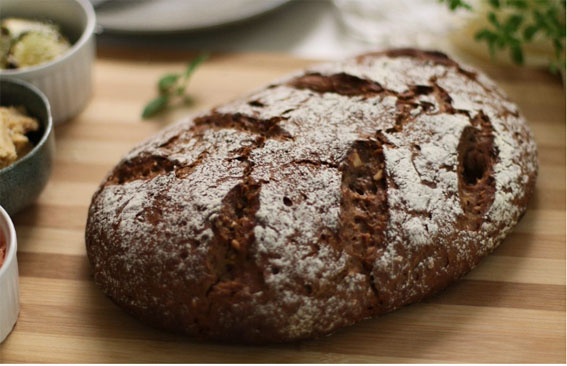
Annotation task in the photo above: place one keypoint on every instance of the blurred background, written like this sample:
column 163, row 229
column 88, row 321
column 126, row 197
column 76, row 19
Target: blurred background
column 333, row 29
column 307, row 28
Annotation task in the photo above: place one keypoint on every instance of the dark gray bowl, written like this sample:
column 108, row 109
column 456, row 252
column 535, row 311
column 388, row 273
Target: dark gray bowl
column 22, row 182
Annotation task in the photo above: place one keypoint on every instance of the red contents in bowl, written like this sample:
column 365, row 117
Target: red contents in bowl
column 2, row 248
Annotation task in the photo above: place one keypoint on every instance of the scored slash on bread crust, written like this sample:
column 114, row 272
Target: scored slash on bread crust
column 336, row 194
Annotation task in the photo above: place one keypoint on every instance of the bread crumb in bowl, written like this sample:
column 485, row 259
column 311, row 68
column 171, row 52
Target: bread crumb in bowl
column 15, row 125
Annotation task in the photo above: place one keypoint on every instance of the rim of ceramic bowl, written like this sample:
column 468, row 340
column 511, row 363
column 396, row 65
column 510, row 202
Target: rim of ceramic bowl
column 48, row 123
column 85, row 36
column 11, row 245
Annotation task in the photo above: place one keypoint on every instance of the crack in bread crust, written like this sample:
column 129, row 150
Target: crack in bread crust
column 341, row 192
column 341, row 83
column 268, row 128
column 477, row 157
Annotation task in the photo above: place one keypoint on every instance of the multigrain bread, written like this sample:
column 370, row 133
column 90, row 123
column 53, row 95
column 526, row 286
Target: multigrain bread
column 339, row 193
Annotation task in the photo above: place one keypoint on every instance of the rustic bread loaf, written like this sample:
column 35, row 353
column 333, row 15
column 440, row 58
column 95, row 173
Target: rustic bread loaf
column 342, row 192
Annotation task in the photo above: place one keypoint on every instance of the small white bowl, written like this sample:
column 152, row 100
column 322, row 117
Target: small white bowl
column 9, row 282
column 66, row 80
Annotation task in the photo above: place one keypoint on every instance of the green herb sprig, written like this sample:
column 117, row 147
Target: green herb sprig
column 514, row 23
column 172, row 87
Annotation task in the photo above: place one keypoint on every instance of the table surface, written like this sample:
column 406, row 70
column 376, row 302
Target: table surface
column 511, row 308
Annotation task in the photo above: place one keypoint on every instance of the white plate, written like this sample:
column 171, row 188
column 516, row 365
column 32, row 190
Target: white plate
column 157, row 16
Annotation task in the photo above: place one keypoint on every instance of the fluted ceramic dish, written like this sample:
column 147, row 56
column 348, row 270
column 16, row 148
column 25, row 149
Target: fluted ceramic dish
column 22, row 181
column 66, row 80
column 9, row 283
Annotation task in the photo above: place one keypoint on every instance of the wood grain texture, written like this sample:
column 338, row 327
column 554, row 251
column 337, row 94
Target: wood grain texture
column 511, row 308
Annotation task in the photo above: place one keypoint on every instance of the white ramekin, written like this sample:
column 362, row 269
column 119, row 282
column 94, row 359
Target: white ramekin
column 9, row 282
column 66, row 80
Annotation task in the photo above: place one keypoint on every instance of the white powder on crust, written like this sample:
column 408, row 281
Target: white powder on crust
column 423, row 196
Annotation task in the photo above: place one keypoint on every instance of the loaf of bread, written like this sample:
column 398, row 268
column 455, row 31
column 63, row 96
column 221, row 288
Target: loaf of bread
column 336, row 194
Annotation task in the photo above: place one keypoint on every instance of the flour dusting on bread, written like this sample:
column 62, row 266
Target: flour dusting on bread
column 336, row 194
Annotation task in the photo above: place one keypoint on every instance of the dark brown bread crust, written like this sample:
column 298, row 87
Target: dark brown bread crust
column 337, row 194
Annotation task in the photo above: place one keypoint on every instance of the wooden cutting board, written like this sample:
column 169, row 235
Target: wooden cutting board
column 511, row 308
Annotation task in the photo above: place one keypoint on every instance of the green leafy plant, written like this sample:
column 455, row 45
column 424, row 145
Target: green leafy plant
column 514, row 23
column 172, row 87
